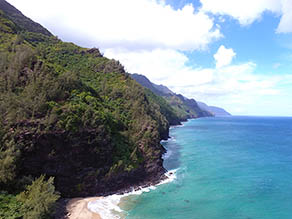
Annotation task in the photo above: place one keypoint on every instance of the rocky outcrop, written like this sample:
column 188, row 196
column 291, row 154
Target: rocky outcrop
column 94, row 52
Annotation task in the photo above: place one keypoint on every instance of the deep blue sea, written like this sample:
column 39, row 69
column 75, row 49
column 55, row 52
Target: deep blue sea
column 227, row 168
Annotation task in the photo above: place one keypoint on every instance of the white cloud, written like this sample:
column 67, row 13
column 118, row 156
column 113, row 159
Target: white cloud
column 167, row 67
column 245, row 11
column 232, row 86
column 248, row 11
column 148, row 37
column 285, row 25
column 128, row 24
column 224, row 56
column 238, row 88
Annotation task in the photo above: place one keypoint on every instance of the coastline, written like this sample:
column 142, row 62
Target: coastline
column 108, row 207
column 102, row 207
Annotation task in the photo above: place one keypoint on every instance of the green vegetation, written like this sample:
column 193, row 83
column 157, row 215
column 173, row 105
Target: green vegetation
column 37, row 201
column 68, row 112
column 10, row 207
column 183, row 109
column 23, row 22
column 170, row 112
column 176, row 107
column 39, row 198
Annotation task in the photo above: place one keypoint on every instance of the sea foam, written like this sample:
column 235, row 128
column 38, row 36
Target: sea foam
column 108, row 207
column 176, row 126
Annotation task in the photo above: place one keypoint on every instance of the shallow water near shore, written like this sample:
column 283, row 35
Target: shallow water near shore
column 117, row 205
column 227, row 167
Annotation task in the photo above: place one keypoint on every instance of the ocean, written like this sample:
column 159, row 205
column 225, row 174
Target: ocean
column 224, row 168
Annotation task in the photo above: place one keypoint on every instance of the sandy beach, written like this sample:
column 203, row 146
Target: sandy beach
column 77, row 209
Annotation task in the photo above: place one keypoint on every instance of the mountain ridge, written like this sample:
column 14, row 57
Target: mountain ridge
column 217, row 111
column 72, row 121
column 186, row 108
column 200, row 108
column 22, row 21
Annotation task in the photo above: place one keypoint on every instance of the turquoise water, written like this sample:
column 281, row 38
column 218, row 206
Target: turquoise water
column 229, row 167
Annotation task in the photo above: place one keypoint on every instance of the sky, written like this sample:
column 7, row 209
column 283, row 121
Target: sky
column 236, row 54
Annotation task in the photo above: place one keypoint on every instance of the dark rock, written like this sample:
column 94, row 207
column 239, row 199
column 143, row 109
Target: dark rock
column 95, row 52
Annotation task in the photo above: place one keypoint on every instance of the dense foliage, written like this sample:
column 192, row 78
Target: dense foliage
column 37, row 201
column 70, row 113
column 10, row 207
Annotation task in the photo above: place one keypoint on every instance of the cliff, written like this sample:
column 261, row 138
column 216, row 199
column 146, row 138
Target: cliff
column 69, row 113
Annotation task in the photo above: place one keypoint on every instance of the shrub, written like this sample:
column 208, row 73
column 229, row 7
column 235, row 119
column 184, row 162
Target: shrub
column 9, row 206
column 8, row 160
column 39, row 199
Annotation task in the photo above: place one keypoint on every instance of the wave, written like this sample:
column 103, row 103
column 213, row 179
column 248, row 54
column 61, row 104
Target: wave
column 171, row 176
column 176, row 126
column 167, row 154
column 107, row 207
column 171, row 138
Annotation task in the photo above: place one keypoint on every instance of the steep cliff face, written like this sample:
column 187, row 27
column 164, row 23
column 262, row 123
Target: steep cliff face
column 184, row 108
column 70, row 113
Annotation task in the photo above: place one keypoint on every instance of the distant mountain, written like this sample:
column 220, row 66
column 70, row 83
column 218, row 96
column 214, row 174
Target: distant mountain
column 145, row 82
column 185, row 108
column 216, row 111
column 165, row 90
column 24, row 23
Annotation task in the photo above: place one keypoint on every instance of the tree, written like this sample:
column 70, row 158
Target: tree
column 39, row 199
column 8, row 160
